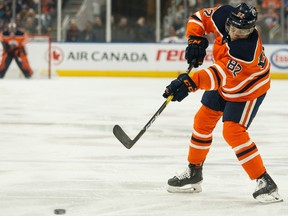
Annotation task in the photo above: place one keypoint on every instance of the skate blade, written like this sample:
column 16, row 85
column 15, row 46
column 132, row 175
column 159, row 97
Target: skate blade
column 269, row 198
column 190, row 188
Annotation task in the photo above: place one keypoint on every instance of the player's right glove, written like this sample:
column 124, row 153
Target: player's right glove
column 196, row 50
column 180, row 87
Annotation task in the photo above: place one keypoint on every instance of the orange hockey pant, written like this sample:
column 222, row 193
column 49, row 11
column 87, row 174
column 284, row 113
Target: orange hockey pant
column 21, row 60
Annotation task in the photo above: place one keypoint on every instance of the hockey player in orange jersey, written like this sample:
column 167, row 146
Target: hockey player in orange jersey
column 235, row 86
column 13, row 42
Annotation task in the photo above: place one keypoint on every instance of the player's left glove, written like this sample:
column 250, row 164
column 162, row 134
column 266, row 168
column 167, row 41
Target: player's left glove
column 180, row 87
column 196, row 50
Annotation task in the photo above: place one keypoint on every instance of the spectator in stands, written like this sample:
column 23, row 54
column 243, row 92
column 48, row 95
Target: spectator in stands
column 234, row 3
column 99, row 29
column 271, row 18
column 48, row 12
column 192, row 5
column 143, row 33
column 262, row 28
column 19, row 22
column 7, row 15
column 88, row 33
column 2, row 8
column 172, row 37
column 199, row 5
column 275, row 4
column 31, row 13
column 23, row 12
column 2, row 13
column 178, row 22
column 123, row 32
column 73, row 32
column 30, row 25
column 180, row 11
column 179, row 25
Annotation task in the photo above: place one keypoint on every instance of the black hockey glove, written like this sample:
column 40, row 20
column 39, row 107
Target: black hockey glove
column 180, row 87
column 196, row 50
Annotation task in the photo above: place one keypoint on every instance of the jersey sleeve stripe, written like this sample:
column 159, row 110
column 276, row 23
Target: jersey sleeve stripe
column 197, row 22
column 212, row 81
column 221, row 71
column 217, row 76
column 196, row 17
column 255, row 88
column 253, row 82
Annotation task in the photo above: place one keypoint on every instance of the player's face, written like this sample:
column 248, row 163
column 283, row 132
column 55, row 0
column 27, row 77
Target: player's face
column 236, row 33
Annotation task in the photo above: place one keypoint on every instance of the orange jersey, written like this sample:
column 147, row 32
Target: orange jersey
column 14, row 40
column 241, row 71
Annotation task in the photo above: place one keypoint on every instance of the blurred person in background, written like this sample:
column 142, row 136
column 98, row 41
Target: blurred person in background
column 172, row 37
column 88, row 33
column 2, row 14
column 262, row 28
column 73, row 32
column 275, row 4
column 271, row 18
column 30, row 23
column 179, row 25
column 99, row 29
column 7, row 16
column 13, row 42
column 253, row 3
column 123, row 31
column 143, row 32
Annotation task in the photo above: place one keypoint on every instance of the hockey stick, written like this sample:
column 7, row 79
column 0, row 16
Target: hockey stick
column 123, row 137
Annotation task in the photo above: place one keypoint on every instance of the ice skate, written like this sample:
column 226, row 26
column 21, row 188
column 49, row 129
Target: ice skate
column 187, row 182
column 266, row 190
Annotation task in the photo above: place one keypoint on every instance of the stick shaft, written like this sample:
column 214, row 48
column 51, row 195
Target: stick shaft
column 123, row 137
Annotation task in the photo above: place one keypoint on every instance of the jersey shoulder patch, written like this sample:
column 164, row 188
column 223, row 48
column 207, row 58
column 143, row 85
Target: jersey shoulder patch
column 19, row 33
column 6, row 33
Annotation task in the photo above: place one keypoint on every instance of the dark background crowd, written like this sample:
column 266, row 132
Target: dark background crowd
column 27, row 16
column 131, row 29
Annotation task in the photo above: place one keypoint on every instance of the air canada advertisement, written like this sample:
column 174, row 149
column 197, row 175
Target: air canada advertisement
column 131, row 59
column 156, row 58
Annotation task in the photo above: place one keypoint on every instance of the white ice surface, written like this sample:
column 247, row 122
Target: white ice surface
column 57, row 150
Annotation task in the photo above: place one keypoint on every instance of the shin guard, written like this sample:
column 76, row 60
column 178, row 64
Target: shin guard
column 245, row 149
column 205, row 121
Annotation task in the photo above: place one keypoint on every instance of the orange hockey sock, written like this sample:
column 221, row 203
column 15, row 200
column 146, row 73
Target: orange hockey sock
column 205, row 121
column 246, row 150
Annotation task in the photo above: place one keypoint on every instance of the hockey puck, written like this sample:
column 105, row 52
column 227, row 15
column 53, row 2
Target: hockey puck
column 59, row 211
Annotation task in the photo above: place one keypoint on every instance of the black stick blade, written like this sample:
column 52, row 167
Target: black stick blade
column 122, row 137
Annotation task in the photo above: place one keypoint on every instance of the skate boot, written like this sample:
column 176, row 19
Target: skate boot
column 266, row 190
column 187, row 182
